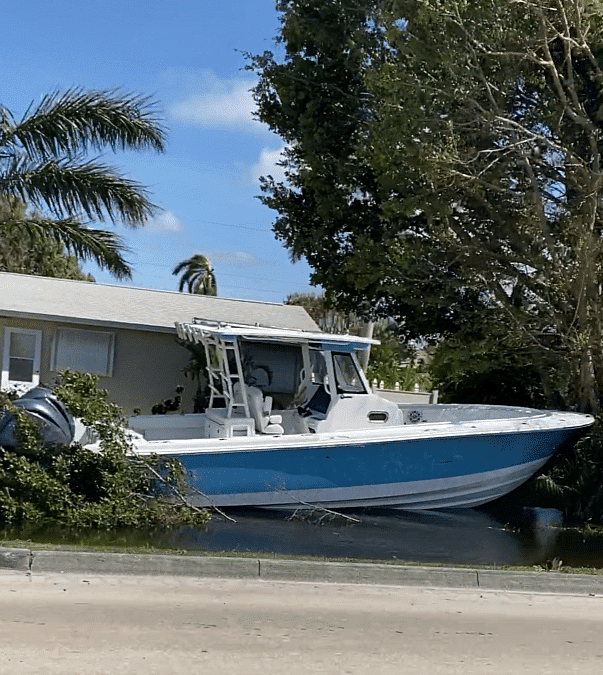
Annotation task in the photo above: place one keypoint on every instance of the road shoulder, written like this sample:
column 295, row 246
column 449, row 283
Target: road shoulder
column 33, row 562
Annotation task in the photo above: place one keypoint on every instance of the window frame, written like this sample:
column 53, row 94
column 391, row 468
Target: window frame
column 5, row 381
column 110, row 335
column 341, row 382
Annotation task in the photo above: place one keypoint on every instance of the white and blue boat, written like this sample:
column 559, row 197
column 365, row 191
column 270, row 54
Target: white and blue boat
column 292, row 422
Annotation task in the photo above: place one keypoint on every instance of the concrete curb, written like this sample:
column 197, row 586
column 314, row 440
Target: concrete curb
column 15, row 559
column 366, row 573
column 126, row 563
column 68, row 562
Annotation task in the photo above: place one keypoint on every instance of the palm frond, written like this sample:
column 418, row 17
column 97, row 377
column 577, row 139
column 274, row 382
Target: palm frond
column 69, row 122
column 42, row 163
column 179, row 267
column 71, row 187
column 7, row 123
column 198, row 275
column 105, row 248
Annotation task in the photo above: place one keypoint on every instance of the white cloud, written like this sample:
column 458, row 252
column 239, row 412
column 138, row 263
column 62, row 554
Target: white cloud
column 236, row 258
column 164, row 222
column 267, row 165
column 212, row 103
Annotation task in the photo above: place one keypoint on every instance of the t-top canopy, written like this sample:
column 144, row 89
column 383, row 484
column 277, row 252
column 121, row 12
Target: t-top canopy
column 200, row 330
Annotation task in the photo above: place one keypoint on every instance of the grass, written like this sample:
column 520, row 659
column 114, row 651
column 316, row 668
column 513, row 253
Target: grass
column 552, row 567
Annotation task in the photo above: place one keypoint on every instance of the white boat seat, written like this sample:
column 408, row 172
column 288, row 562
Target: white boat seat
column 260, row 408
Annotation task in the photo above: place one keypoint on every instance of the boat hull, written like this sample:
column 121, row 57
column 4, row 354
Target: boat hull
column 334, row 471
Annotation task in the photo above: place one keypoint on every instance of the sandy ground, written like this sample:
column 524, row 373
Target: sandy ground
column 73, row 624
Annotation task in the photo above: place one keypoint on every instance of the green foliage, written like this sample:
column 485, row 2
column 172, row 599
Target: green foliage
column 498, row 158
column 467, row 375
column 318, row 102
column 195, row 369
column 315, row 304
column 574, row 482
column 169, row 404
column 483, row 364
column 23, row 253
column 444, row 163
column 43, row 164
column 74, row 485
column 328, row 318
column 392, row 363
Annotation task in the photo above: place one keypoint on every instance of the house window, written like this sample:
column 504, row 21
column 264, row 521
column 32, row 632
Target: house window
column 21, row 357
column 84, row 351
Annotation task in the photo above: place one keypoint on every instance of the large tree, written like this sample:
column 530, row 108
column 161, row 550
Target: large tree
column 316, row 99
column 44, row 163
column 500, row 116
column 319, row 97
column 467, row 178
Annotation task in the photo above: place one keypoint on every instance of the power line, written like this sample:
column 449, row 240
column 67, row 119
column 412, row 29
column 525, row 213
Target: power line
column 237, row 276
column 245, row 288
column 246, row 276
column 240, row 227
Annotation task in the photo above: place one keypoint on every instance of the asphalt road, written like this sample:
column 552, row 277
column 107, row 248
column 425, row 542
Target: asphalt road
column 98, row 624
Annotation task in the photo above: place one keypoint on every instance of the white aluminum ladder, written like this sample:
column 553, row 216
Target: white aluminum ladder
column 224, row 371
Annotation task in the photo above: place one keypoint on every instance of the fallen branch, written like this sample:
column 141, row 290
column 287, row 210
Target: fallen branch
column 213, row 506
column 315, row 507
column 179, row 494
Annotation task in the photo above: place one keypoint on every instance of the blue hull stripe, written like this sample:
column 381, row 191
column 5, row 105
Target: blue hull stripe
column 377, row 463
column 460, row 491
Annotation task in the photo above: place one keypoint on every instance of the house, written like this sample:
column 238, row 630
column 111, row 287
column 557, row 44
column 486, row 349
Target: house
column 123, row 334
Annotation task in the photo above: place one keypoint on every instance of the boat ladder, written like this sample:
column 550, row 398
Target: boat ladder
column 225, row 371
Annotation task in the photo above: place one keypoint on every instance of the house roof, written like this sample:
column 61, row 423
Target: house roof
column 92, row 304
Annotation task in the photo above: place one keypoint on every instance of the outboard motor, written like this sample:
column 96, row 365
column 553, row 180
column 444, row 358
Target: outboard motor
column 55, row 423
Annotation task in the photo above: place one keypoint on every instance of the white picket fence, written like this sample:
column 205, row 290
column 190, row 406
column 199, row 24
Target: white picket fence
column 398, row 396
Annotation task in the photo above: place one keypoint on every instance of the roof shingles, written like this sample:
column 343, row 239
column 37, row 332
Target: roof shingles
column 88, row 303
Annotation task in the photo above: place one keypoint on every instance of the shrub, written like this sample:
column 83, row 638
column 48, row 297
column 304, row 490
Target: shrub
column 75, row 485
column 574, row 481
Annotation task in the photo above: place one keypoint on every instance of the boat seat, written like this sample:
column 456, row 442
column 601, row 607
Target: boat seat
column 260, row 408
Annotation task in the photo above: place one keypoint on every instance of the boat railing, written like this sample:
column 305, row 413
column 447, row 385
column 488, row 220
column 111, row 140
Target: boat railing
column 398, row 395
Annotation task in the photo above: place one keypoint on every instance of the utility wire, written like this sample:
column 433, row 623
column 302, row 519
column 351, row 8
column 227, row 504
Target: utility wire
column 236, row 276
column 240, row 227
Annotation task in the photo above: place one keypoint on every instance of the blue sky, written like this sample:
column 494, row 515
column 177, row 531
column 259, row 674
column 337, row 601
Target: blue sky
column 187, row 54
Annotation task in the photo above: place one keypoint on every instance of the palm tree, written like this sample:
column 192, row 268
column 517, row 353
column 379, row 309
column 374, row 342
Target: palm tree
column 22, row 254
column 198, row 275
column 43, row 163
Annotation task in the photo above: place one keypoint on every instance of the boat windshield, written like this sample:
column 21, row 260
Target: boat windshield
column 318, row 367
column 347, row 375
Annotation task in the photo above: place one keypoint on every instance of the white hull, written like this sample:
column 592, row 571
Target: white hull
column 292, row 423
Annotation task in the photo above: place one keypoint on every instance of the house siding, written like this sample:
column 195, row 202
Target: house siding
column 147, row 369
column 148, row 363
column 147, row 366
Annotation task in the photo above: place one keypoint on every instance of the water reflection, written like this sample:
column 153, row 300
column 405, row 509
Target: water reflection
column 452, row 537
column 493, row 536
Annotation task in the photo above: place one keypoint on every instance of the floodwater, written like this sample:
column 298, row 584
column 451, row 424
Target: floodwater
column 486, row 536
